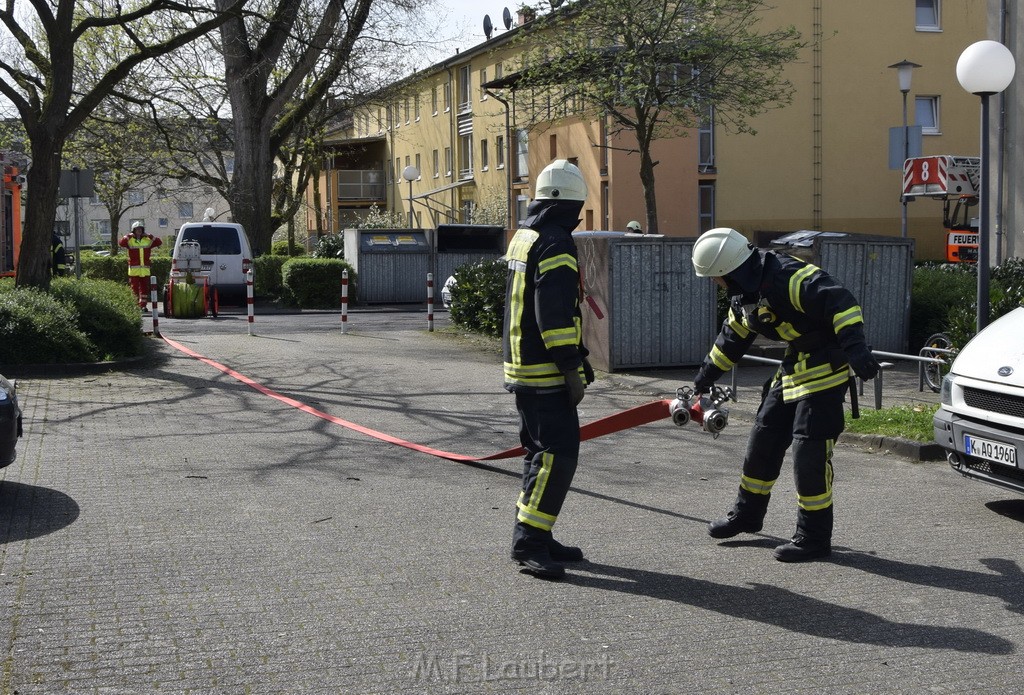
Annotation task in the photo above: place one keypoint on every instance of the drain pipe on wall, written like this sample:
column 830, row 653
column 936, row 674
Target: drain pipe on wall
column 508, row 159
column 1001, row 148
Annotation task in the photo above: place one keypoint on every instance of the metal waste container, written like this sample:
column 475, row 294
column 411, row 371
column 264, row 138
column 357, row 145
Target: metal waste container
column 879, row 270
column 460, row 244
column 392, row 264
column 10, row 421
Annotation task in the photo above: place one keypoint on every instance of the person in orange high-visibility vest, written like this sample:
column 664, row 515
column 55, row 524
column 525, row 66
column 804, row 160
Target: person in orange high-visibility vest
column 139, row 245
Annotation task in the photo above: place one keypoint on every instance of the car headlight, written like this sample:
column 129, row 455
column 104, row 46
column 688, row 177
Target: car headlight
column 946, row 394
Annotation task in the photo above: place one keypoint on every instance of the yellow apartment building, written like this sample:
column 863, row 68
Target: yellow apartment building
column 820, row 163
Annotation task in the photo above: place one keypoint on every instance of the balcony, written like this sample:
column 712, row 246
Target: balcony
column 361, row 184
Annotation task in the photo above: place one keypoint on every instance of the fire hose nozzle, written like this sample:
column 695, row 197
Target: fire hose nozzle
column 715, row 420
column 680, row 411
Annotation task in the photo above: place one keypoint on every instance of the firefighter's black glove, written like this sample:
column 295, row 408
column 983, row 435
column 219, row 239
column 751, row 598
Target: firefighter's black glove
column 574, row 383
column 702, row 383
column 588, row 371
column 863, row 362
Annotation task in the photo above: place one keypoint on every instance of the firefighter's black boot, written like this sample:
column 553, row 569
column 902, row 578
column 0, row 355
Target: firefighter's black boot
column 564, row 553
column 812, row 540
column 746, row 516
column 531, row 548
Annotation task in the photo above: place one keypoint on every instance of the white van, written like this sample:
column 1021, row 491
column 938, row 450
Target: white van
column 226, row 256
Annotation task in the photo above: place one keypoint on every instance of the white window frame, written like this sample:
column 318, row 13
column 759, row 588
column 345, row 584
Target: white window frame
column 932, row 103
column 936, row 9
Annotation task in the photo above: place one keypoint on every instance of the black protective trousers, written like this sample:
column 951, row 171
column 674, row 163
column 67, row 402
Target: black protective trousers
column 811, row 426
column 549, row 430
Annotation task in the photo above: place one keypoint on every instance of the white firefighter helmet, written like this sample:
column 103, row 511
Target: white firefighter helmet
column 634, row 226
column 561, row 180
column 720, row 251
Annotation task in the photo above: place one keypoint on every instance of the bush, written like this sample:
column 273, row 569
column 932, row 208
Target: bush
column 115, row 268
column 938, row 290
column 315, row 283
column 266, row 276
column 280, row 248
column 478, row 297
column 330, row 246
column 107, row 314
column 37, row 328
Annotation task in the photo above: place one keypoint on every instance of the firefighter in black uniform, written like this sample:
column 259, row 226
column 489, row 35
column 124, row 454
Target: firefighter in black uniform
column 784, row 298
column 545, row 362
column 58, row 257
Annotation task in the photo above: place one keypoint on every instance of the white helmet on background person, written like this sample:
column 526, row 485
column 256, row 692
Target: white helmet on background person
column 561, row 180
column 720, row 251
column 634, row 226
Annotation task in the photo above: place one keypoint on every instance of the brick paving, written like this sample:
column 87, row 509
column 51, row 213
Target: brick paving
column 167, row 529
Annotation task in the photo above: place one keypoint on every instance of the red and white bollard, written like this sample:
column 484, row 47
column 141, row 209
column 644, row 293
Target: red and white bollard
column 430, row 301
column 344, row 301
column 152, row 300
column 248, row 298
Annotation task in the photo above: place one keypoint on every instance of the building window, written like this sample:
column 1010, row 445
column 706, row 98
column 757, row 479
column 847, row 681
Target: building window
column 926, row 115
column 498, row 70
column 483, row 81
column 706, row 209
column 499, row 151
column 162, row 222
column 447, row 89
column 465, row 82
column 522, row 154
column 447, row 161
column 416, row 106
column 553, row 146
column 437, row 164
column 433, row 100
column 185, row 211
column 485, row 158
column 929, row 13
column 418, row 168
column 466, row 156
column 522, row 204
column 405, row 106
column 706, row 138
column 135, row 197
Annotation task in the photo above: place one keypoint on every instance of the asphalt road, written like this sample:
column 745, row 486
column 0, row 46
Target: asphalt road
column 171, row 529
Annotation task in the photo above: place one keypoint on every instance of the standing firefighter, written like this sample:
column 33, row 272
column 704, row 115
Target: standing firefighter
column 786, row 299
column 58, row 257
column 545, row 363
column 139, row 245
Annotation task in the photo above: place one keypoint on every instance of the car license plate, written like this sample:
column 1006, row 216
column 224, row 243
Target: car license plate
column 989, row 450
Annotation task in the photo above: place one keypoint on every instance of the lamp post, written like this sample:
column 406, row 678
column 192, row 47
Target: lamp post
column 984, row 68
column 904, row 72
column 410, row 174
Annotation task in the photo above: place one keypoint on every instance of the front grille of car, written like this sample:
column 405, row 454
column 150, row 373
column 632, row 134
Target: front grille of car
column 1001, row 403
column 995, row 470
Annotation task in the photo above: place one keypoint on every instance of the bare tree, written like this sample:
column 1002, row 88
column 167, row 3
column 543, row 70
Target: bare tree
column 42, row 82
column 655, row 69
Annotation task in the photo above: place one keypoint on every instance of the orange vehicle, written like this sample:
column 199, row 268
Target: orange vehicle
column 10, row 218
column 954, row 181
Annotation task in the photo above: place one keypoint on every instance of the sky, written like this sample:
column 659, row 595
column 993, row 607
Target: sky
column 467, row 20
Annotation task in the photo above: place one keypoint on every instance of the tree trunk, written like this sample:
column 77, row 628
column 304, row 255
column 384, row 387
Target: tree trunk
column 34, row 261
column 251, row 189
column 647, row 181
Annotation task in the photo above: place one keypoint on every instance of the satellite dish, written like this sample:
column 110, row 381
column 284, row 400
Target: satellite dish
column 488, row 27
column 506, row 17
column 555, row 4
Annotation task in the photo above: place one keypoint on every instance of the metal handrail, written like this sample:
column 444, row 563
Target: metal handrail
column 878, row 381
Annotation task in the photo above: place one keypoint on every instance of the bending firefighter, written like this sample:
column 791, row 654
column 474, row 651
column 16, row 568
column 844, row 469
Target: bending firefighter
column 784, row 298
column 545, row 363
column 139, row 245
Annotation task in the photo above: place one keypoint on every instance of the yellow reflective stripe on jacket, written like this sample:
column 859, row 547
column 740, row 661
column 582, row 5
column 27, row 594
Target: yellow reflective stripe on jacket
column 755, row 486
column 787, row 332
column 737, row 326
column 850, row 317
column 549, row 264
column 802, row 373
column 543, row 375
column 518, row 250
column 795, row 282
column 719, row 359
column 561, row 336
column 798, row 391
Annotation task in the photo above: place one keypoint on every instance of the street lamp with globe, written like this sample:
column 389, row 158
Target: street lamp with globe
column 983, row 69
column 410, row 174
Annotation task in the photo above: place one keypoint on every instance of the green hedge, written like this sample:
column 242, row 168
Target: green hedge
column 315, row 283
column 77, row 321
column 266, row 276
column 478, row 297
column 115, row 268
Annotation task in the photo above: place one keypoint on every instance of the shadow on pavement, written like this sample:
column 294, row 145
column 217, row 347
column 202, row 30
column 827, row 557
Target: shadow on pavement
column 30, row 511
column 787, row 610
